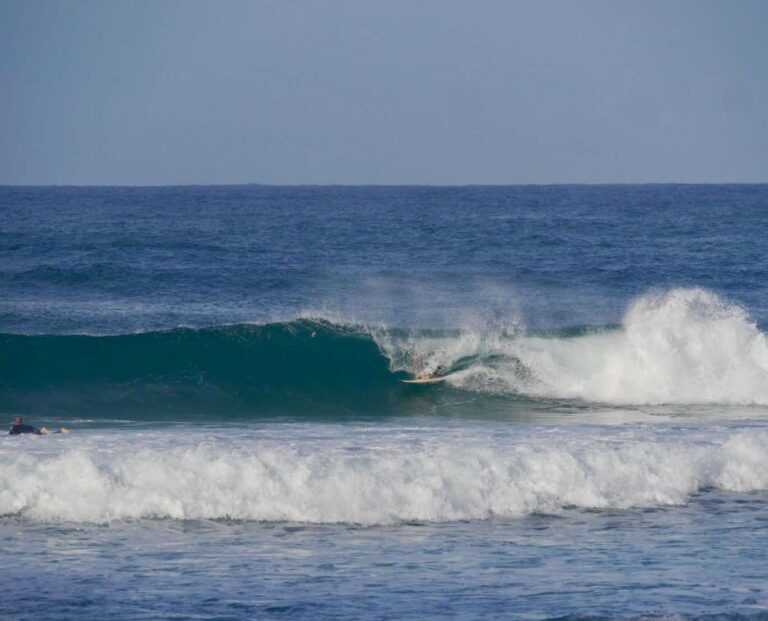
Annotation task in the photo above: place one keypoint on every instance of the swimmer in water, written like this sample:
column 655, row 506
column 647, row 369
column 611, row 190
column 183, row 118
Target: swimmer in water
column 18, row 428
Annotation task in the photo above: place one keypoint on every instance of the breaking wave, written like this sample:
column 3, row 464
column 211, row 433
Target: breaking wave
column 392, row 480
column 684, row 346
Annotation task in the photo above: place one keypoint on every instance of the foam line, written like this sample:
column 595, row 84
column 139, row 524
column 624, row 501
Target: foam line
column 441, row 479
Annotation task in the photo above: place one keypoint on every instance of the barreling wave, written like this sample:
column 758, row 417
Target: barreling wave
column 684, row 346
column 303, row 365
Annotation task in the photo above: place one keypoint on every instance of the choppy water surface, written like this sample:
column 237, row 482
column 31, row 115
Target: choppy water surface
column 230, row 362
column 608, row 564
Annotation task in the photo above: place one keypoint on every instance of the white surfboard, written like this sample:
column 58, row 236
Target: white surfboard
column 426, row 380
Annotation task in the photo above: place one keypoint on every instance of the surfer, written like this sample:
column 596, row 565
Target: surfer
column 18, row 428
column 418, row 361
column 440, row 371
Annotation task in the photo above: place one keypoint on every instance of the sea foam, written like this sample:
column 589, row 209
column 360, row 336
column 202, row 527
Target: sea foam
column 400, row 477
column 683, row 346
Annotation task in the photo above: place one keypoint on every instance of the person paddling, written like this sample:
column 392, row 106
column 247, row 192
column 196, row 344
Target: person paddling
column 18, row 428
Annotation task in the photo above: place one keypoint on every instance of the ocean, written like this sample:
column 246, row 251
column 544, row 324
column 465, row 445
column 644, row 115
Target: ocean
column 229, row 360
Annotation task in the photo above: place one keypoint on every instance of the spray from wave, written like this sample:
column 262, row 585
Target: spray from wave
column 684, row 346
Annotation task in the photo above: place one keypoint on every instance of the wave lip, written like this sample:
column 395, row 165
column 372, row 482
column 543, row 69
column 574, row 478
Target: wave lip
column 436, row 481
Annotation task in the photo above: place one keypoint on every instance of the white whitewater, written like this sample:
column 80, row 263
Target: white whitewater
column 354, row 474
column 683, row 346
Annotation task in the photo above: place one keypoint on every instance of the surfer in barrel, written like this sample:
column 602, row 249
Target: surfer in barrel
column 18, row 427
column 425, row 374
column 440, row 371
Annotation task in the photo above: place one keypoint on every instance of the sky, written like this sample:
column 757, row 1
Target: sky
column 440, row 92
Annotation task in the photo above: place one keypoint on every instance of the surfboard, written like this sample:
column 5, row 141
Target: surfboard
column 426, row 380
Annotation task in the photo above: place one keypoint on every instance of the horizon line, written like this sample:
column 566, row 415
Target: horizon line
column 375, row 185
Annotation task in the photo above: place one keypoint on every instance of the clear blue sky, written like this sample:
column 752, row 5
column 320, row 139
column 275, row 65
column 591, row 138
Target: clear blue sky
column 379, row 92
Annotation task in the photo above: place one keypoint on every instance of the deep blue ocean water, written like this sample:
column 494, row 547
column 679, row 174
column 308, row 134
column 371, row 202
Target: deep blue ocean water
column 230, row 362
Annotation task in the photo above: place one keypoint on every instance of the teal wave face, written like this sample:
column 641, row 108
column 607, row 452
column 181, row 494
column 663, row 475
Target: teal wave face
column 684, row 346
column 299, row 366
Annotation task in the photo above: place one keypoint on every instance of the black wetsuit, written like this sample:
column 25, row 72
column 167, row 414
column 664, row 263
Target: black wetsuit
column 19, row 429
